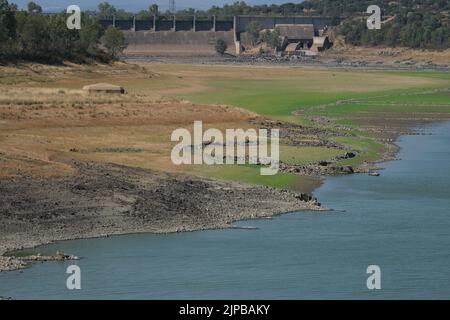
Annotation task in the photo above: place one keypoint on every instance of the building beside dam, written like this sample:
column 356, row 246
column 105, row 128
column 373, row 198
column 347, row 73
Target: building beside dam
column 162, row 36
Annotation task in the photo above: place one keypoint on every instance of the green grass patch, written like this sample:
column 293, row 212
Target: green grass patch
column 247, row 174
column 266, row 97
column 280, row 96
column 353, row 109
column 305, row 155
column 342, row 95
column 442, row 98
column 422, row 74
column 368, row 149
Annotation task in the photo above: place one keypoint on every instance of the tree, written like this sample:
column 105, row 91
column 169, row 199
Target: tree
column 34, row 7
column 7, row 22
column 114, row 41
column 439, row 38
column 106, row 10
column 122, row 14
column 153, row 9
column 34, row 36
column 143, row 15
column 45, row 38
column 221, row 46
column 253, row 29
column 7, row 29
column 392, row 35
column 89, row 36
column 272, row 38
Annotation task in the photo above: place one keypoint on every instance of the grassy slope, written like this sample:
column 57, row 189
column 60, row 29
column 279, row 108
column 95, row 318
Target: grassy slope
column 279, row 95
column 251, row 174
column 319, row 94
column 273, row 92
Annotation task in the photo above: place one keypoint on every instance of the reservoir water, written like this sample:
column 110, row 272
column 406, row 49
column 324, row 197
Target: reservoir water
column 399, row 221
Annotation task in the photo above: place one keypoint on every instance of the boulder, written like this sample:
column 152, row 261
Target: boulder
column 307, row 198
column 347, row 169
column 350, row 155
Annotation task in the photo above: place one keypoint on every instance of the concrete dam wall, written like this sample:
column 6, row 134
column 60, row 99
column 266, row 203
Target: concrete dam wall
column 158, row 24
column 162, row 36
column 178, row 43
column 271, row 22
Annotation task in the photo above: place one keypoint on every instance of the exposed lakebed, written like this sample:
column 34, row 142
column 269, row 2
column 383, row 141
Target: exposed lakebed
column 399, row 221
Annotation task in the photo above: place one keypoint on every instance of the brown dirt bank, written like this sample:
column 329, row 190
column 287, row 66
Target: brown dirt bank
column 104, row 199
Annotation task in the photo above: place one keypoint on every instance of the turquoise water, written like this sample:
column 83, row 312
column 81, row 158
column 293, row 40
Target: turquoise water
column 399, row 221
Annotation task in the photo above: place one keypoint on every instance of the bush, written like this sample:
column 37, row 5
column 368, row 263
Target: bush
column 221, row 46
column 7, row 30
column 253, row 29
column 272, row 38
column 410, row 29
column 36, row 37
column 34, row 8
column 114, row 41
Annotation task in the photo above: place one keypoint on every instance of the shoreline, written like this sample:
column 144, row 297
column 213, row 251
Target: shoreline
column 307, row 232
column 279, row 198
column 101, row 200
column 289, row 62
column 105, row 200
column 247, row 200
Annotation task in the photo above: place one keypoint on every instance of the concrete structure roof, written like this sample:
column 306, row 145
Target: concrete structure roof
column 320, row 41
column 104, row 87
column 296, row 31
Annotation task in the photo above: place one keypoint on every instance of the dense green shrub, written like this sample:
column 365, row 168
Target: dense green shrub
column 417, row 23
column 30, row 35
column 114, row 41
column 254, row 29
column 221, row 46
column 271, row 37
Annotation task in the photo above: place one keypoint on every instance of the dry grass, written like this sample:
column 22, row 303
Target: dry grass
column 45, row 117
column 42, row 120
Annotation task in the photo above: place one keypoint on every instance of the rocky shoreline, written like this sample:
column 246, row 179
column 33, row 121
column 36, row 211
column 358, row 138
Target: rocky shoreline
column 291, row 61
column 101, row 200
column 104, row 200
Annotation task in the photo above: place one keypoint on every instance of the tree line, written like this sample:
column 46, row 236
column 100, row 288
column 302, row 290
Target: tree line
column 415, row 23
column 31, row 35
column 420, row 24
